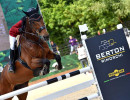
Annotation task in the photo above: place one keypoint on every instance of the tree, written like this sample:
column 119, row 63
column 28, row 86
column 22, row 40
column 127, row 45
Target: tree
column 62, row 17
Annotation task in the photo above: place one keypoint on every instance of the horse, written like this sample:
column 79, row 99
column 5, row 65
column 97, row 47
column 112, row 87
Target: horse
column 33, row 55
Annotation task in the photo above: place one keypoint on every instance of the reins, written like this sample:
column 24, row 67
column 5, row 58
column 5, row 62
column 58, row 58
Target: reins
column 31, row 41
column 34, row 17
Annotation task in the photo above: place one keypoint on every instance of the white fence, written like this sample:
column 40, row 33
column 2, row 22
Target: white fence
column 44, row 83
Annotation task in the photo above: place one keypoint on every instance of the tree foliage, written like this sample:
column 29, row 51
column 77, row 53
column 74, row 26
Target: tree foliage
column 62, row 17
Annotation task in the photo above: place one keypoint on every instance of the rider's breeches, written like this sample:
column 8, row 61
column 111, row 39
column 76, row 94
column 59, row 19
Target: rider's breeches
column 12, row 42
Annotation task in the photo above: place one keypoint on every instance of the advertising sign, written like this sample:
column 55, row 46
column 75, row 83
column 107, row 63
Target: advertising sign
column 110, row 56
column 12, row 9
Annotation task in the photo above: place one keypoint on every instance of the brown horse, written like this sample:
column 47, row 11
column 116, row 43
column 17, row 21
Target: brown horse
column 32, row 57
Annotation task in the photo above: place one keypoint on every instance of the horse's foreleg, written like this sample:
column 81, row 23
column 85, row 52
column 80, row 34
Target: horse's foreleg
column 42, row 65
column 24, row 95
column 58, row 59
column 46, row 68
column 52, row 55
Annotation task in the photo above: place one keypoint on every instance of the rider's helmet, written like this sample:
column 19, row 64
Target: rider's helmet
column 31, row 11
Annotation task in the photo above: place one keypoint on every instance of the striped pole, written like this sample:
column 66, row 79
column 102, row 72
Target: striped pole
column 90, row 97
column 44, row 83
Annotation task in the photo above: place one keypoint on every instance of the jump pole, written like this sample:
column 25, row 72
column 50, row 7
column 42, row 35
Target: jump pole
column 44, row 83
column 84, row 37
column 95, row 95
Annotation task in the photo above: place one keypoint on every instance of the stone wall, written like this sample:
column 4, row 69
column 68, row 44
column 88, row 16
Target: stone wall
column 3, row 25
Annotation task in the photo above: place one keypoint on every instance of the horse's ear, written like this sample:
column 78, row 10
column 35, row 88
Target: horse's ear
column 37, row 8
column 26, row 13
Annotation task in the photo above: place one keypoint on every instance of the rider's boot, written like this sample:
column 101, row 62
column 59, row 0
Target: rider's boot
column 12, row 61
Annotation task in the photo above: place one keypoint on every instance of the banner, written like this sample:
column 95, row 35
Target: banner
column 110, row 56
column 12, row 9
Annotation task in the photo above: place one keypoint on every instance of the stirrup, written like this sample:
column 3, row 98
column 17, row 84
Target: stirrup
column 11, row 69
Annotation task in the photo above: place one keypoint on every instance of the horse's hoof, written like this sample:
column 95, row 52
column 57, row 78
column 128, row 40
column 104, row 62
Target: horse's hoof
column 60, row 67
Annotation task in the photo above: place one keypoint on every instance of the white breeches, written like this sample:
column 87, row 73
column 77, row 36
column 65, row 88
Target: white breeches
column 12, row 41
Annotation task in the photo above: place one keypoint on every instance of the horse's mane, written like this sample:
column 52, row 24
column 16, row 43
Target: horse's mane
column 23, row 23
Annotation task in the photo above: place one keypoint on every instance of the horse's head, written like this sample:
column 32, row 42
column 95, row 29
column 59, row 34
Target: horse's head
column 35, row 23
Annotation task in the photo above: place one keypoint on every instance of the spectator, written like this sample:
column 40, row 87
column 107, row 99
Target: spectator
column 73, row 43
column 82, row 56
column 99, row 33
column 54, row 48
column 104, row 31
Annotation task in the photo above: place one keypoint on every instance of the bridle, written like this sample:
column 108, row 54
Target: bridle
column 31, row 19
column 36, row 17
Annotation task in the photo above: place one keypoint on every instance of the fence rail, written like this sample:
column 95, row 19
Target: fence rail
column 44, row 83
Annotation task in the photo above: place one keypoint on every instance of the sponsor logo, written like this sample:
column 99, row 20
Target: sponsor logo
column 116, row 72
column 105, row 44
column 108, row 55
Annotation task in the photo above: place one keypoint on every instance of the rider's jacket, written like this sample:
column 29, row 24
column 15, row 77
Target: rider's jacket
column 14, row 30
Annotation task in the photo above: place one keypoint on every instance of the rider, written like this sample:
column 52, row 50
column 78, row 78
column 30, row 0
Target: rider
column 13, row 32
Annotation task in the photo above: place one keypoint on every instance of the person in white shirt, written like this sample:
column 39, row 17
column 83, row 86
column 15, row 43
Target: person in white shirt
column 82, row 56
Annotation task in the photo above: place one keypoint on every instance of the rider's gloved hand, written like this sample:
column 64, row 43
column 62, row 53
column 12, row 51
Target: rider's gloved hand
column 20, row 30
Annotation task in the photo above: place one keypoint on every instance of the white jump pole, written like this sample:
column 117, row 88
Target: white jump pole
column 50, row 81
column 84, row 37
column 95, row 95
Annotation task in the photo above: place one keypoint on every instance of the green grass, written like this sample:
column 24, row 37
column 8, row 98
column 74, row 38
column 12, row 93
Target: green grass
column 69, row 62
